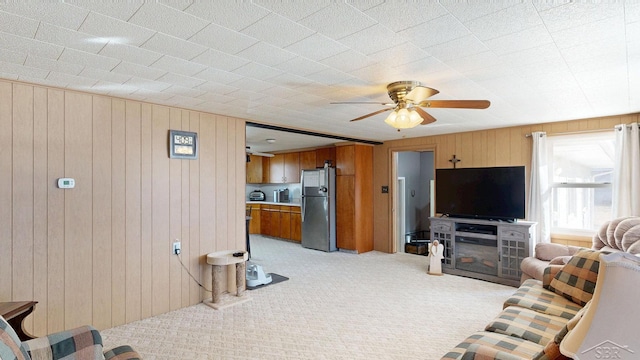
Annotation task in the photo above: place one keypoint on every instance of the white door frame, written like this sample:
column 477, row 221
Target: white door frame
column 393, row 162
column 401, row 216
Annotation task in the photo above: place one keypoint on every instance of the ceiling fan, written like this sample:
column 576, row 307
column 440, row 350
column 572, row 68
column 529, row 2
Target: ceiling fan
column 251, row 152
column 409, row 97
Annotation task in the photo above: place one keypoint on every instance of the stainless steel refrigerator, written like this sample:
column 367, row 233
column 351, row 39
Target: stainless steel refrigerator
column 319, row 209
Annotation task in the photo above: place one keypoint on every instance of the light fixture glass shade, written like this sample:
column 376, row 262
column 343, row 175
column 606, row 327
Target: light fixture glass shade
column 403, row 119
column 391, row 119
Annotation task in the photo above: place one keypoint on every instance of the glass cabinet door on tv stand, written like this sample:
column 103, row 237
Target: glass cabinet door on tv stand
column 441, row 231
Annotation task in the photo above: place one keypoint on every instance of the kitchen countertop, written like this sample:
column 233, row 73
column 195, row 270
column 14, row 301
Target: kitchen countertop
column 274, row 203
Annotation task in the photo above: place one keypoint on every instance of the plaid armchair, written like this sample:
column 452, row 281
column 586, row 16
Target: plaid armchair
column 83, row 343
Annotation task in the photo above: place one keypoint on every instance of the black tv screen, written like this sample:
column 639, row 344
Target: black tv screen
column 486, row 193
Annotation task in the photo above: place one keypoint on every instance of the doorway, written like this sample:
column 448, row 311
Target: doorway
column 413, row 172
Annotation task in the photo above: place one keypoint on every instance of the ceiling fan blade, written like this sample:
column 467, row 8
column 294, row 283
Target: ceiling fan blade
column 456, row 104
column 371, row 114
column 427, row 119
column 363, row 102
column 259, row 154
column 256, row 153
column 420, row 93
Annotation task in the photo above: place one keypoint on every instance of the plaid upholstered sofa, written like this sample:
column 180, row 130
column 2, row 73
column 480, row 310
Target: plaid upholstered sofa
column 538, row 315
column 621, row 234
column 83, row 343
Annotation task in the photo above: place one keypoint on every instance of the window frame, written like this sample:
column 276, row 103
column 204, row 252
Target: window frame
column 554, row 185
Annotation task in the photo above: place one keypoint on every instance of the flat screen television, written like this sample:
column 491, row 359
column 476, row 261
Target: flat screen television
column 494, row 193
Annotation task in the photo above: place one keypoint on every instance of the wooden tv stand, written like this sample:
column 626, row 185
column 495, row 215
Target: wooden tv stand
column 500, row 246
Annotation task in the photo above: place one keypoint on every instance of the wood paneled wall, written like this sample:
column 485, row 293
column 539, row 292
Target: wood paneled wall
column 495, row 147
column 101, row 253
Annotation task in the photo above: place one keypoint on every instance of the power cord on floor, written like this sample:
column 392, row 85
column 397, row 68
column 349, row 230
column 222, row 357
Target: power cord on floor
column 188, row 272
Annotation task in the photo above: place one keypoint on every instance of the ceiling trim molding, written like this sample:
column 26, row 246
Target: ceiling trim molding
column 305, row 132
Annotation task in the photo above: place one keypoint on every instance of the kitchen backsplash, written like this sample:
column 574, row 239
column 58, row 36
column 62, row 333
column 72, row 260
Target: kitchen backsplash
column 294, row 191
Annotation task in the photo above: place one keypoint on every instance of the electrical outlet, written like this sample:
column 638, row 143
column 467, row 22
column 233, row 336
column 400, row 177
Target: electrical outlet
column 176, row 248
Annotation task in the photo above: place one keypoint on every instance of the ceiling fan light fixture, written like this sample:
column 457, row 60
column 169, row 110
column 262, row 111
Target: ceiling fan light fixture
column 409, row 98
column 403, row 119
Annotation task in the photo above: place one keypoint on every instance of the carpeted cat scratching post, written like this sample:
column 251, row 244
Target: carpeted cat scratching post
column 233, row 261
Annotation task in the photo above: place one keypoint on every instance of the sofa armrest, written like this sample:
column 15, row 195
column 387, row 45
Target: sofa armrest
column 549, row 273
column 484, row 352
column 83, row 343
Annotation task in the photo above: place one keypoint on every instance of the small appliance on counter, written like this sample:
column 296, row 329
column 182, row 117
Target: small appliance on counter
column 257, row 195
column 281, row 195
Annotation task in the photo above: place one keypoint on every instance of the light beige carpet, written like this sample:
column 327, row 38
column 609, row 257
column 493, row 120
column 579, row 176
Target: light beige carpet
column 334, row 306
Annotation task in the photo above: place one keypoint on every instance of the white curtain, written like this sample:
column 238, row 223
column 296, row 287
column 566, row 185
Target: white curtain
column 626, row 171
column 539, row 192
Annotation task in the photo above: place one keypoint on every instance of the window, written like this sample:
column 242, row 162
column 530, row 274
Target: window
column 580, row 175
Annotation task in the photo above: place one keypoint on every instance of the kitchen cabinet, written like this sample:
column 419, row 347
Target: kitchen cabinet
column 265, row 170
column 282, row 221
column 354, row 197
column 345, row 212
column 325, row 154
column 274, row 220
column 265, row 220
column 307, row 160
column 345, row 160
column 255, row 222
column 254, row 170
column 276, row 169
column 296, row 224
column 285, row 222
column 292, row 167
column 284, row 168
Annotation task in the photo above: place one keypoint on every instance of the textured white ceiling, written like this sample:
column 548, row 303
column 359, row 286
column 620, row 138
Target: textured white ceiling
column 283, row 62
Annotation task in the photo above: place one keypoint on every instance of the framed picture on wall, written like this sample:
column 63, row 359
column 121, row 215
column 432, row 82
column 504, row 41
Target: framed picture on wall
column 183, row 145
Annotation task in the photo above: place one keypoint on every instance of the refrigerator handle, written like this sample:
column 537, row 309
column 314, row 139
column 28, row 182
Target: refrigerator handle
column 302, row 200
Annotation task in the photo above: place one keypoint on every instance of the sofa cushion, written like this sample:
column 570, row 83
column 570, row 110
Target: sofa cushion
column 631, row 240
column 10, row 345
column 527, row 324
column 560, row 260
column 599, row 239
column 622, row 228
column 124, row 352
column 532, row 295
column 499, row 342
column 549, row 273
column 611, row 229
column 483, row 352
column 551, row 351
column 577, row 280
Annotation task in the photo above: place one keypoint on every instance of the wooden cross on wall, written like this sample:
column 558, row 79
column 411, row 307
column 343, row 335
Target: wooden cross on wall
column 454, row 160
